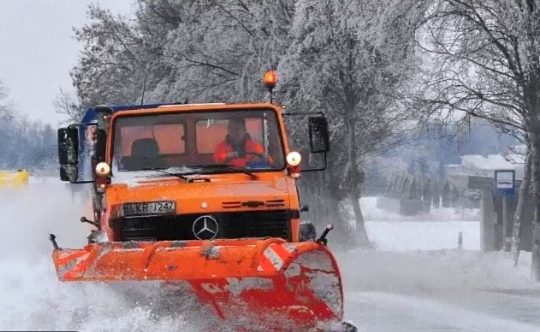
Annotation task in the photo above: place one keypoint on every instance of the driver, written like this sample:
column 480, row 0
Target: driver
column 238, row 149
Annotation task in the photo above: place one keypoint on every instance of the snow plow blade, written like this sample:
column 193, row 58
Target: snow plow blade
column 269, row 281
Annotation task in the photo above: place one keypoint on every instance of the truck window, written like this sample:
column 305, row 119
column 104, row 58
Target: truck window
column 146, row 142
column 169, row 137
column 209, row 134
column 191, row 139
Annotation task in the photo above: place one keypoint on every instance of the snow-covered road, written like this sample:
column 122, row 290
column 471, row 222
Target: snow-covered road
column 398, row 289
column 444, row 311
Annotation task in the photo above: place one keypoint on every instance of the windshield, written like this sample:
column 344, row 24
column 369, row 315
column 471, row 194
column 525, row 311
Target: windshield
column 198, row 142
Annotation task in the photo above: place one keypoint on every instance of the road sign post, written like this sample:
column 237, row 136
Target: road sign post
column 505, row 186
column 505, row 182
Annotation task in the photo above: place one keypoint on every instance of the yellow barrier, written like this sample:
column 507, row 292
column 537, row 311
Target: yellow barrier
column 14, row 178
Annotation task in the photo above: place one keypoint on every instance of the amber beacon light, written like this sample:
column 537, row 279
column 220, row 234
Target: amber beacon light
column 270, row 80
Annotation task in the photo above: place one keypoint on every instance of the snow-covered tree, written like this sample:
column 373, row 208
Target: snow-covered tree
column 23, row 143
column 348, row 59
column 351, row 60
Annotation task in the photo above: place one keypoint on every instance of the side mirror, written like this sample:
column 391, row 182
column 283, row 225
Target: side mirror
column 68, row 153
column 318, row 134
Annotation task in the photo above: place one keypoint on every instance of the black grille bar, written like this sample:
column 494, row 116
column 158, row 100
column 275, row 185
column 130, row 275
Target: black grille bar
column 232, row 225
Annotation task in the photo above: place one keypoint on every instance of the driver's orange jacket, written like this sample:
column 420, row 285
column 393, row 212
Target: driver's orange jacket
column 223, row 149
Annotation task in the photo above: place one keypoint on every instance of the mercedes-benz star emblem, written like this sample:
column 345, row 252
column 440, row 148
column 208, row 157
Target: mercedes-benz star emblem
column 205, row 228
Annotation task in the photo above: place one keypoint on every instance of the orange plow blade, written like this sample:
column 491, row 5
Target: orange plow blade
column 269, row 281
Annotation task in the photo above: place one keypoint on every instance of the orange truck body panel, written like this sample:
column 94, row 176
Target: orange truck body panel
column 223, row 193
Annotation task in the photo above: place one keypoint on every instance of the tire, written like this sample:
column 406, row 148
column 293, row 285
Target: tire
column 307, row 231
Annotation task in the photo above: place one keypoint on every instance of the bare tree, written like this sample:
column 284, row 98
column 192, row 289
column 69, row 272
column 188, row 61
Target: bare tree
column 483, row 59
column 520, row 210
column 5, row 107
column 110, row 65
column 65, row 103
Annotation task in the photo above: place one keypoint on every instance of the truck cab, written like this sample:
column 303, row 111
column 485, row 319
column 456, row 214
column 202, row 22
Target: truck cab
column 176, row 172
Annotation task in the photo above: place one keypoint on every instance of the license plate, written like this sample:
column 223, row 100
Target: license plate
column 146, row 208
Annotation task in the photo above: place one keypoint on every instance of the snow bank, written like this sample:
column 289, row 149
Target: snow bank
column 423, row 235
column 420, row 253
column 372, row 213
column 433, row 270
column 439, row 229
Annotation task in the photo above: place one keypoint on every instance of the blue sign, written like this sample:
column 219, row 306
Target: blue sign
column 505, row 182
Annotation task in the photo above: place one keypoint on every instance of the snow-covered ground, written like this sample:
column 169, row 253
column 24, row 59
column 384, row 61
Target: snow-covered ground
column 447, row 290
column 409, row 272
column 439, row 229
column 416, row 280
column 424, row 235
column 372, row 213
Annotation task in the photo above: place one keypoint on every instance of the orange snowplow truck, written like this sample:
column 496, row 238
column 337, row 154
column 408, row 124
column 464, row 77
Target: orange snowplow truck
column 202, row 195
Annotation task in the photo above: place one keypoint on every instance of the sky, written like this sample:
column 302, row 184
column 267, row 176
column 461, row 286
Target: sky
column 38, row 49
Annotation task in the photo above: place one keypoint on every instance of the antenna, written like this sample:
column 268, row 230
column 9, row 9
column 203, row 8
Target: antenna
column 143, row 90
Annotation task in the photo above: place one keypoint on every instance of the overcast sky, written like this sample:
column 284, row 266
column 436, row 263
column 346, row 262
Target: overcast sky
column 37, row 50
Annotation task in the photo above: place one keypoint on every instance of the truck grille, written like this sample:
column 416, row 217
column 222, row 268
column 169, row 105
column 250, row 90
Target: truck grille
column 232, row 225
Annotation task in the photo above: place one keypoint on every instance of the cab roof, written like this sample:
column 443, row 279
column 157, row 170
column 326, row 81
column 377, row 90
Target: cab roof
column 90, row 115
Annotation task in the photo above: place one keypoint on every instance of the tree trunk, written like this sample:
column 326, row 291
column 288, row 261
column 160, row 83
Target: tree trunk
column 314, row 193
column 354, row 182
column 359, row 220
column 535, row 145
column 354, row 196
column 322, row 192
column 520, row 208
column 343, row 234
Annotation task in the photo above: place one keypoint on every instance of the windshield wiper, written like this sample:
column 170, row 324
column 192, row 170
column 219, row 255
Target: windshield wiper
column 224, row 167
column 178, row 175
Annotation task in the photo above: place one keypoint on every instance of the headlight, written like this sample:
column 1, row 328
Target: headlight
column 294, row 158
column 103, row 169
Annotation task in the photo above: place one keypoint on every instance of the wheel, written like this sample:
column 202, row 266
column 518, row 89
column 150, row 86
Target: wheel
column 307, row 231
